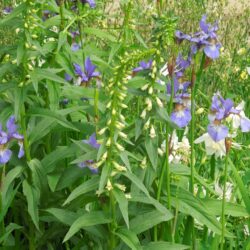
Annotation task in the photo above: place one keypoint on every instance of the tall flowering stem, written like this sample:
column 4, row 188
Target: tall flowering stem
column 2, row 174
column 194, row 83
column 224, row 203
column 114, row 139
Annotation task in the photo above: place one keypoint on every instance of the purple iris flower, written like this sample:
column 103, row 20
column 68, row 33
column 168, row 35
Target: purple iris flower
column 143, row 66
column 180, row 36
column 217, row 131
column 90, row 163
column 220, row 108
column 75, row 46
column 181, row 116
column 91, row 3
column 12, row 129
column 68, row 77
column 5, row 155
column 85, row 76
column 7, row 10
column 205, row 39
column 12, row 133
column 245, row 124
column 92, row 141
column 74, row 34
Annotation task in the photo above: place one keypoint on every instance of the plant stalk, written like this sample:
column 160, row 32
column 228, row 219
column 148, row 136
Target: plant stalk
column 224, row 203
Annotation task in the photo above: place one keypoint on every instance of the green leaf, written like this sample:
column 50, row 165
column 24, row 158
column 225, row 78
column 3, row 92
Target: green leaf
column 240, row 184
column 231, row 209
column 8, row 230
column 77, row 92
column 16, row 11
column 86, row 220
column 41, row 129
column 89, row 185
column 53, row 115
column 88, row 156
column 61, row 40
column 137, row 182
column 149, row 200
column 137, row 82
column 123, row 204
column 104, row 177
column 162, row 245
column 145, row 221
column 99, row 33
column 151, row 145
column 9, row 178
column 129, row 238
column 32, row 199
column 39, row 74
column 186, row 203
column 64, row 216
column 61, row 153
column 68, row 177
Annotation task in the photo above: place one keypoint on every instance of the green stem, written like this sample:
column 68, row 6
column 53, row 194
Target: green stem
column 192, row 132
column 224, row 203
column 113, row 224
column 166, row 165
column 2, row 175
column 24, row 132
column 61, row 14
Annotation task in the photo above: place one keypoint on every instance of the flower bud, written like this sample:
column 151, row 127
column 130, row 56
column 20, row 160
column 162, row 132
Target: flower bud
column 146, row 126
column 109, row 186
column 121, row 187
column 149, row 104
column 152, row 132
column 105, row 155
column 123, row 105
column 108, row 143
column 160, row 152
column 143, row 163
column 150, row 90
column 30, row 67
column 143, row 114
column 122, row 117
column 119, row 167
column 159, row 102
column 102, row 131
column 109, row 122
column 200, row 111
column 119, row 147
column 144, row 87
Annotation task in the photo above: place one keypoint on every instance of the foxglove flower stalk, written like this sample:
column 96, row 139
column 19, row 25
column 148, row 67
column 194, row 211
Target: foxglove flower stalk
column 90, row 164
column 206, row 39
column 6, row 137
column 88, row 73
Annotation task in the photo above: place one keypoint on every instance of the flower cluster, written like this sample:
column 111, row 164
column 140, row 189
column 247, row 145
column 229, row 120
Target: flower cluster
column 206, row 39
column 6, row 137
column 225, row 120
column 181, row 115
column 179, row 151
